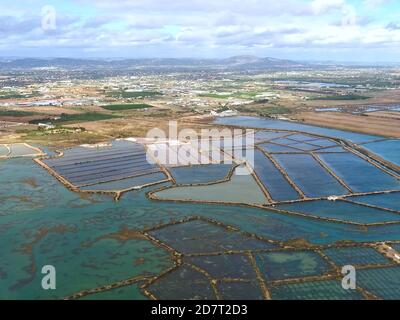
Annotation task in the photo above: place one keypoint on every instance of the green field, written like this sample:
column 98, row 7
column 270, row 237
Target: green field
column 16, row 95
column 83, row 117
column 275, row 110
column 80, row 117
column 342, row 97
column 239, row 95
column 124, row 94
column 131, row 106
column 215, row 95
column 15, row 113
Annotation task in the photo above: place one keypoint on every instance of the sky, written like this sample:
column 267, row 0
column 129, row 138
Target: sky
column 334, row 30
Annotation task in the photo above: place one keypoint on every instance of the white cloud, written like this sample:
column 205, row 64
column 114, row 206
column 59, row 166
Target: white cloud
column 159, row 27
column 324, row 6
column 373, row 4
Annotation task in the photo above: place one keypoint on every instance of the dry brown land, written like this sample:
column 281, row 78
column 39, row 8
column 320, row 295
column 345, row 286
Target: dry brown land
column 390, row 115
column 378, row 97
column 372, row 123
column 135, row 126
column 48, row 110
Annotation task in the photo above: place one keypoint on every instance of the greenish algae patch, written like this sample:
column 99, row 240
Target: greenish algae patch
column 240, row 189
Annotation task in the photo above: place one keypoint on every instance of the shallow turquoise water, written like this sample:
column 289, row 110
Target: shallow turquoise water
column 200, row 174
column 315, row 290
column 184, row 283
column 41, row 222
column 384, row 282
column 72, row 222
column 129, row 183
column 356, row 256
column 239, row 189
column 3, row 151
column 21, row 150
column 231, row 266
column 291, row 264
column 240, row 290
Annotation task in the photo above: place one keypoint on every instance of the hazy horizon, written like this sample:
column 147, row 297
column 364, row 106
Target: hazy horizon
column 311, row 61
column 363, row 31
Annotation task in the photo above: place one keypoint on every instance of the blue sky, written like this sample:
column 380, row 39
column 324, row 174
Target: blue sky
column 342, row 30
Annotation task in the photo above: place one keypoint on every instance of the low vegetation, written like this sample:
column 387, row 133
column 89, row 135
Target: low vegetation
column 342, row 97
column 133, row 94
column 16, row 113
column 80, row 117
column 131, row 106
column 215, row 95
column 17, row 95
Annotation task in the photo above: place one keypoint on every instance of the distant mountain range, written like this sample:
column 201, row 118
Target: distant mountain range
column 237, row 62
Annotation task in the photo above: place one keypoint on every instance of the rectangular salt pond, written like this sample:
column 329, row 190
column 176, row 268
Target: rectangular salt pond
column 128, row 183
column 301, row 137
column 20, row 150
column 309, row 175
column 332, row 150
column 100, row 165
column 240, row 290
column 200, row 236
column 93, row 159
column 276, row 148
column 385, row 200
column 3, row 151
column 179, row 154
column 84, row 166
column 389, row 150
column 291, row 264
column 231, row 266
column 314, row 290
column 359, row 175
column 200, row 174
column 285, row 141
column 341, row 210
column 119, row 148
column 241, row 154
column 305, row 146
column 278, row 187
column 109, row 176
column 184, row 283
column 240, row 189
column 356, row 256
column 268, row 135
column 382, row 282
column 323, row 142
